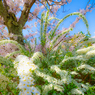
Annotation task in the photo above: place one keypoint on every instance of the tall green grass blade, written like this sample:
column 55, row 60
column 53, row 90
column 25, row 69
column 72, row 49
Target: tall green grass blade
column 41, row 29
column 75, row 13
column 45, row 26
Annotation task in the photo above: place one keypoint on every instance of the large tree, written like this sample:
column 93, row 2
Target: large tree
column 10, row 8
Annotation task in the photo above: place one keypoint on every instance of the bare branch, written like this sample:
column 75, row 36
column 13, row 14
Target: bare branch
column 36, row 16
column 87, row 4
column 92, row 5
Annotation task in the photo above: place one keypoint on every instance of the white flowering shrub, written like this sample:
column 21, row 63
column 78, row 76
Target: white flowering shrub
column 48, row 75
column 23, row 66
column 56, row 73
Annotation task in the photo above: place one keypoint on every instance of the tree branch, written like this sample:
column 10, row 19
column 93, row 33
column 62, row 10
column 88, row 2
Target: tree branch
column 25, row 13
column 92, row 5
column 3, row 11
column 36, row 16
column 5, row 5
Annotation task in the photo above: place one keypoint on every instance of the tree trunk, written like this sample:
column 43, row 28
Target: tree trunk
column 16, row 30
column 14, row 27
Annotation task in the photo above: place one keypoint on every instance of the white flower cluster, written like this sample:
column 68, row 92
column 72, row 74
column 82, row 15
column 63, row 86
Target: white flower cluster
column 48, row 78
column 76, row 91
column 80, row 58
column 86, row 69
column 49, row 87
column 65, row 76
column 85, row 50
column 81, row 88
column 23, row 66
column 37, row 56
column 90, row 54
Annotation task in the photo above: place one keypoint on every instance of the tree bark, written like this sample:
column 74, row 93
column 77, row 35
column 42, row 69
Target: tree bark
column 14, row 27
column 16, row 31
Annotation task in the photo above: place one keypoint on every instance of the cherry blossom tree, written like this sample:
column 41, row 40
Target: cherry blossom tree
column 10, row 8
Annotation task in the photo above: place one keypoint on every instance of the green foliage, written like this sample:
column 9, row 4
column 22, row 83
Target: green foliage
column 41, row 30
column 7, row 83
column 58, row 73
column 45, row 26
column 90, row 91
column 59, row 35
column 52, row 32
column 91, row 61
column 54, row 92
column 68, row 88
column 71, row 63
column 5, row 61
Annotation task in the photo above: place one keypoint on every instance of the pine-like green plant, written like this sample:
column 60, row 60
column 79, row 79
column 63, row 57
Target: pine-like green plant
column 58, row 36
column 75, row 13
